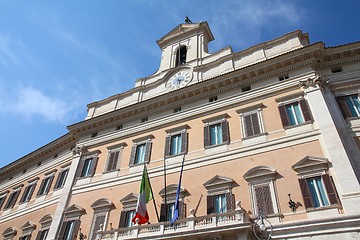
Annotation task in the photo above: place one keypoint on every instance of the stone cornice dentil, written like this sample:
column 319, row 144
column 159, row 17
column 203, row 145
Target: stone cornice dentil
column 317, row 81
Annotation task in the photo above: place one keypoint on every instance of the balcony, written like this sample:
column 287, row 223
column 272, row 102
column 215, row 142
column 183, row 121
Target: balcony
column 229, row 223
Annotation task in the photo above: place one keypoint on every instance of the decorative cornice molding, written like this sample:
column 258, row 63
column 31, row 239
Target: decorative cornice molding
column 317, row 81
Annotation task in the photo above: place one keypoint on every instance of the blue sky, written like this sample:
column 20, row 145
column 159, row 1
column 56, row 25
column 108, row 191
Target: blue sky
column 58, row 56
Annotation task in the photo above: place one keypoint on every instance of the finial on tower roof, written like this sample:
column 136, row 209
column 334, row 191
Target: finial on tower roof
column 187, row 20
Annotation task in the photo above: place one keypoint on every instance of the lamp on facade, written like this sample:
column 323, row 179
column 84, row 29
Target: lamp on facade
column 262, row 227
column 292, row 204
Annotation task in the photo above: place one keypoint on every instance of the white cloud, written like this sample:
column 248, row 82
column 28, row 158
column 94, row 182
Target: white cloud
column 30, row 102
column 7, row 55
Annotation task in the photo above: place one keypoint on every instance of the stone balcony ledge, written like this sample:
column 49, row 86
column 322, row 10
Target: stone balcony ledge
column 182, row 227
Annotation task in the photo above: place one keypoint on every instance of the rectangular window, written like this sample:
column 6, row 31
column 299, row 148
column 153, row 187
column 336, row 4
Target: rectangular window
column 349, row 105
column 27, row 193
column 98, row 224
column 42, row 234
column 263, row 199
column 126, row 218
column 12, row 199
column 220, row 203
column 45, row 186
column 216, row 133
column 2, row 200
column 318, row 191
column 252, row 125
column 69, row 230
column 113, row 160
column 294, row 113
column 140, row 154
column 175, row 147
column 61, row 179
column 27, row 237
column 87, row 166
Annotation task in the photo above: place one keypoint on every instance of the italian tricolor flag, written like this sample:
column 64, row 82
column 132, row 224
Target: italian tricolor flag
column 145, row 195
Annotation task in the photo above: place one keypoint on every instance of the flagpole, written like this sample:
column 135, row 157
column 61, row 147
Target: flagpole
column 152, row 193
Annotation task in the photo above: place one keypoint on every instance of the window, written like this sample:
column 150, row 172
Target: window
column 71, row 223
column 98, row 224
column 114, row 157
column 336, row 70
column 213, row 99
column 180, row 56
column 252, row 124
column 101, row 208
column 177, row 110
column 126, row 218
column 349, row 105
column 145, row 119
column 318, row 191
column 216, row 133
column 60, row 181
column 42, row 234
column 2, row 200
column 294, row 113
column 87, row 166
column 119, row 127
column 28, row 193
column 261, row 181
column 27, row 237
column 45, row 185
column 176, row 144
column 94, row 134
column 220, row 203
column 167, row 211
column 246, row 88
column 283, row 77
column 140, row 153
column 12, row 199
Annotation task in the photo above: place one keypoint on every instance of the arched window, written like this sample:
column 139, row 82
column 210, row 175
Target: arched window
column 180, row 56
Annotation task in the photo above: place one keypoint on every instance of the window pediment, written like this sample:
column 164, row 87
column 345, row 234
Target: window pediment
column 260, row 173
column 74, row 211
column 46, row 221
column 102, row 204
column 171, row 192
column 9, row 233
column 311, row 164
column 219, row 183
column 129, row 201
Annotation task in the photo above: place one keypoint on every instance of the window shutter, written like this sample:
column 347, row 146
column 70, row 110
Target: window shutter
column 225, row 131
column 76, row 229
column 248, row 126
column 163, row 212
column 58, row 180
column 263, row 199
column 167, row 145
column 2, row 200
column 62, row 231
column 38, row 236
column 93, row 165
column 256, row 123
column 210, row 204
column 51, row 179
column 184, row 142
column 99, row 220
column 330, row 189
column 133, row 154
column 305, row 110
column 147, row 151
column 80, row 167
column 283, row 116
column 206, row 136
column 230, row 201
column 41, row 187
column 343, row 107
column 112, row 161
column 305, row 193
column 182, row 210
column 122, row 220
column 12, row 199
column 30, row 190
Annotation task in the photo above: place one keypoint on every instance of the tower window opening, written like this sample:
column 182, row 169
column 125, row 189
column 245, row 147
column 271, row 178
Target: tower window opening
column 181, row 56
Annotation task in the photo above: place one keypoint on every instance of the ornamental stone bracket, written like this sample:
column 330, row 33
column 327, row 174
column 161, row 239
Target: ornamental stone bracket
column 78, row 150
column 314, row 83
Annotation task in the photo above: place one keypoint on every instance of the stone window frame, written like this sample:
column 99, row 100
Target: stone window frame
column 29, row 191
column 61, row 176
column 101, row 208
column 147, row 140
column 222, row 120
column 91, row 155
column 304, row 107
column 48, row 180
column 218, row 185
column 313, row 167
column 259, row 177
column 72, row 214
column 171, row 198
column 45, row 223
column 27, row 230
column 255, row 109
column 114, row 151
column 13, row 197
column 3, row 197
column 129, row 203
column 9, row 233
column 181, row 130
column 344, row 109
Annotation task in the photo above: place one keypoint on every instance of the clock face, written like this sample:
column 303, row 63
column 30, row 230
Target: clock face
column 179, row 79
